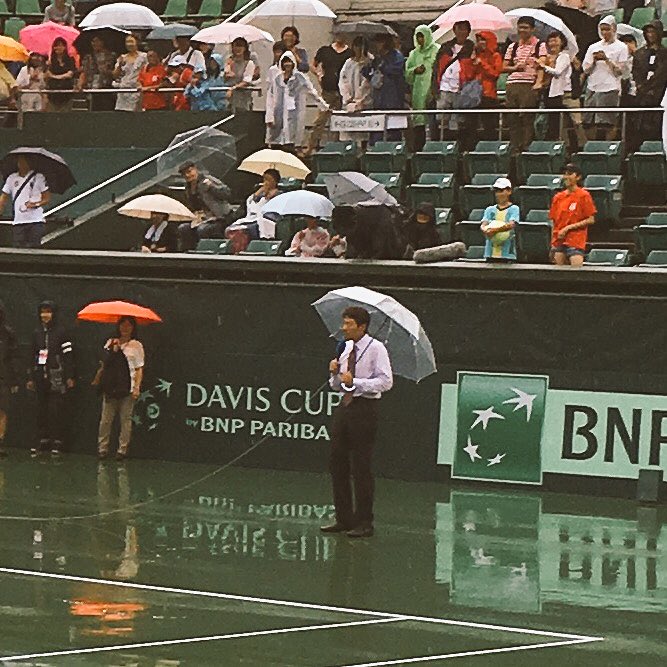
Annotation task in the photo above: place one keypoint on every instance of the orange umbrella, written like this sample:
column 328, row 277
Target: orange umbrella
column 12, row 51
column 111, row 312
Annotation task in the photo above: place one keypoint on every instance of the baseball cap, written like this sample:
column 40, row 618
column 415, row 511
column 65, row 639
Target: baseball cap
column 176, row 61
column 502, row 183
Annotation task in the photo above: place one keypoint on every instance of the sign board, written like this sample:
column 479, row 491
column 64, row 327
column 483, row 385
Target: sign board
column 360, row 123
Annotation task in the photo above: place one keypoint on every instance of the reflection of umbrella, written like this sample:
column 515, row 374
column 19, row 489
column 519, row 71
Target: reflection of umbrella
column 546, row 23
column 56, row 171
column 409, row 348
column 585, row 27
column 210, row 149
column 172, row 30
column 292, row 9
column 122, row 15
column 226, row 33
column 113, row 38
column 142, row 207
column 480, row 16
column 300, row 202
column 287, row 164
column 625, row 29
column 349, row 188
column 12, row 51
column 40, row 37
column 110, row 312
column 368, row 28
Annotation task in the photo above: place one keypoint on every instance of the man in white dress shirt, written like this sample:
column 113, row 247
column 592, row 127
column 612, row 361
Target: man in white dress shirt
column 363, row 373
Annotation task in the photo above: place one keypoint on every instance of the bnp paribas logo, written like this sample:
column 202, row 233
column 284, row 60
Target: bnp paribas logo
column 499, row 427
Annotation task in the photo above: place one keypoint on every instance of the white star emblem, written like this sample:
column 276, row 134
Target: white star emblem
column 495, row 460
column 522, row 400
column 471, row 450
column 469, row 526
column 483, row 417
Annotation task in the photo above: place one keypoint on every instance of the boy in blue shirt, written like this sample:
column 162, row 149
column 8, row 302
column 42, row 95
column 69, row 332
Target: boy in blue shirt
column 498, row 224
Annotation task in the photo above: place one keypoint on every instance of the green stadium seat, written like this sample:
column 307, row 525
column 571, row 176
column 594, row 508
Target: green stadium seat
column 641, row 16
column 13, row 26
column 265, row 248
column 212, row 247
column 175, row 9
column 600, row 157
column 28, row 8
column 476, row 214
column 652, row 235
column 607, row 194
column 4, row 9
column 290, row 184
column 438, row 189
column 437, row 157
column 657, row 259
column 478, row 194
column 489, row 157
column 475, row 253
column 617, row 14
column 533, row 242
column 393, row 183
column 208, row 8
column 336, row 156
column 664, row 39
column 240, row 4
column 319, row 185
column 538, row 192
column 501, row 85
column 443, row 223
column 537, row 215
column 385, row 157
column 469, row 231
column 647, row 166
column 608, row 257
column 542, row 157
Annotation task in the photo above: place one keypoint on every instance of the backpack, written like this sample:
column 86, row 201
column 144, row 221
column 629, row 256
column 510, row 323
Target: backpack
column 115, row 381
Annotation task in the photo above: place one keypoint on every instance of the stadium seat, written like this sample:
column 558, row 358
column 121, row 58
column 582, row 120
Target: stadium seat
column 290, row 184
column 393, row 183
column 476, row 214
column 537, row 215
column 600, row 157
column 212, row 247
column 542, row 157
column 240, row 4
column 656, row 258
column 175, row 9
column 607, row 194
column 336, row 156
column 501, row 85
column 479, row 193
column 538, row 192
column 489, row 157
column 608, row 257
column 616, row 13
column 641, row 16
column 13, row 26
column 28, row 8
column 443, row 223
column 475, row 253
column 652, row 235
column 533, row 242
column 385, row 157
column 262, row 247
column 470, row 233
column 319, row 185
column 436, row 157
column 647, row 166
column 438, row 189
column 208, row 9
column 4, row 9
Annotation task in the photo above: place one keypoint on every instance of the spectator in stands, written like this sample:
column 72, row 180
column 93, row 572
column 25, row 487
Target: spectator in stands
column 208, row 198
column 198, row 93
column 238, row 73
column 190, row 55
column 453, row 68
column 151, row 77
column 60, row 75
column 161, row 236
column 628, row 85
column 418, row 75
column 604, row 64
column 421, row 229
column 279, row 49
column 179, row 75
column 498, row 224
column 205, row 49
column 523, row 82
column 9, row 372
column 327, row 65
column 558, row 66
column 32, row 78
column 216, row 79
column 8, row 86
column 284, row 100
column 290, row 38
column 487, row 66
column 29, row 193
column 97, row 73
column 355, row 89
column 60, row 12
column 309, row 242
column 572, row 212
column 126, row 75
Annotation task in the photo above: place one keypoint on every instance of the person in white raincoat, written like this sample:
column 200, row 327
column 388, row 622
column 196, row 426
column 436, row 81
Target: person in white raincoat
column 284, row 100
column 355, row 89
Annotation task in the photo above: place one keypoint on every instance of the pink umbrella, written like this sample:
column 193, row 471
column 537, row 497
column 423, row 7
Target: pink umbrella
column 481, row 17
column 40, row 37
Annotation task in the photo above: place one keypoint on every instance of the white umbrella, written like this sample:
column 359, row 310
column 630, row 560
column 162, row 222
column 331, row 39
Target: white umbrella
column 300, row 202
column 143, row 207
column 122, row 15
column 546, row 23
column 292, row 9
column 625, row 29
column 480, row 15
column 287, row 164
column 226, row 33
column 349, row 188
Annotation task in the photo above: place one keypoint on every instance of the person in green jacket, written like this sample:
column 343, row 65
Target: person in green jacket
column 419, row 75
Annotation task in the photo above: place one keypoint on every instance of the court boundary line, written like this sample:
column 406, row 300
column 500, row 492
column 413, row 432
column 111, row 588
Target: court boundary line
column 297, row 605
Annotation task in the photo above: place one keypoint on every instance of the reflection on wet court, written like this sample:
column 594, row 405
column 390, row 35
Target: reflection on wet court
column 234, row 571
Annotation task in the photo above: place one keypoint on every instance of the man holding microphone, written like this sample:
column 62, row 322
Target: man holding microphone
column 363, row 373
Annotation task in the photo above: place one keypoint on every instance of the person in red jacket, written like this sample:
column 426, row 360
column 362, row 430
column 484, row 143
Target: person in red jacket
column 487, row 65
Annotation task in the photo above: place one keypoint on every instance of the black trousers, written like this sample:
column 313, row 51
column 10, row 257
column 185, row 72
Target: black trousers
column 352, row 442
column 51, row 416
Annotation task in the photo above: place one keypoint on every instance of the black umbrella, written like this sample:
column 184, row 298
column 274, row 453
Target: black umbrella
column 172, row 30
column 113, row 38
column 584, row 27
column 368, row 28
column 56, row 171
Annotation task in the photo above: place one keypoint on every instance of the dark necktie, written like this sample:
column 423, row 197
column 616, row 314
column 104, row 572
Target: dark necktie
column 351, row 367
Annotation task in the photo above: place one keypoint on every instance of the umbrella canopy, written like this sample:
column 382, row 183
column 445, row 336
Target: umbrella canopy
column 367, row 28
column 122, row 15
column 171, row 31
column 226, row 33
column 585, row 27
column 292, row 9
column 40, row 37
column 12, row 51
column 110, row 312
column 546, row 23
column 58, row 175
column 408, row 345
column 212, row 150
column 143, row 207
column 287, row 164
column 637, row 33
column 113, row 38
column 349, row 188
column 300, row 202
column 480, row 16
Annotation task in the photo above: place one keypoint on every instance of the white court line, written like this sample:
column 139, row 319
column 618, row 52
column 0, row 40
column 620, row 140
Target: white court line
column 466, row 654
column 194, row 640
column 296, row 605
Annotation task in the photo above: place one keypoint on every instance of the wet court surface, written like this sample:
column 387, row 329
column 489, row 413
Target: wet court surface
column 234, row 571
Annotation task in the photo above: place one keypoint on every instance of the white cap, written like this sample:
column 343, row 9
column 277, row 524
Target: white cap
column 502, row 183
column 176, row 61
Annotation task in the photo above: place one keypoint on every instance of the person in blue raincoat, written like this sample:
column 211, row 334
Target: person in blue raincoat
column 215, row 69
column 198, row 92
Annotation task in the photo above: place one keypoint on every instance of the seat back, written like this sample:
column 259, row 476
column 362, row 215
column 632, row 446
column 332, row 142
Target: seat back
column 443, row 147
column 213, row 246
column 537, row 215
column 4, row 10
column 28, row 8
column 641, row 16
column 605, row 181
column 485, row 179
column 393, row 147
column 607, row 147
column 290, row 184
column 339, row 147
column 441, row 180
column 443, row 223
column 651, row 147
column 210, row 8
column 176, row 9
column 263, row 247
column 474, row 253
column 533, row 242
column 608, row 257
column 476, row 214
column 656, row 218
column 552, row 181
column 657, row 258
column 492, row 147
column 13, row 26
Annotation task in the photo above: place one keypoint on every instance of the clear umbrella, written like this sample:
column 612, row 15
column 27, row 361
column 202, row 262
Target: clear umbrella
column 292, row 9
column 409, row 348
column 226, row 33
column 210, row 149
column 349, row 188
column 546, row 23
column 122, row 15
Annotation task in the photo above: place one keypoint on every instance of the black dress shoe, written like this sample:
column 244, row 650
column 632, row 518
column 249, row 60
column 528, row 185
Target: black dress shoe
column 363, row 530
column 335, row 528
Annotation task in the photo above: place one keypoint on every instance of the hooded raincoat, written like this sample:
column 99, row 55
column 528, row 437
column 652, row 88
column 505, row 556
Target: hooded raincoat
column 422, row 92
column 601, row 77
column 386, row 76
column 488, row 65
